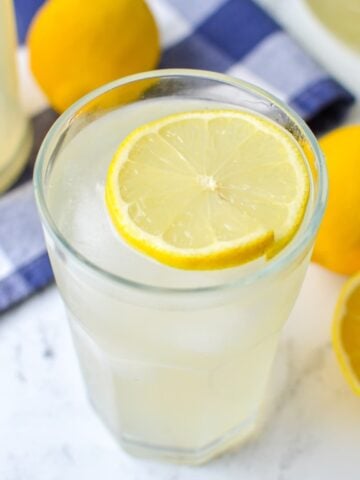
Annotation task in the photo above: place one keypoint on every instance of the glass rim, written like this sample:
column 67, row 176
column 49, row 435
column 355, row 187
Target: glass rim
column 281, row 260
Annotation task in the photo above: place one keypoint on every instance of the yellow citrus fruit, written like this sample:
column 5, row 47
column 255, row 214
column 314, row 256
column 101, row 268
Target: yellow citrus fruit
column 338, row 242
column 346, row 332
column 78, row 45
column 207, row 189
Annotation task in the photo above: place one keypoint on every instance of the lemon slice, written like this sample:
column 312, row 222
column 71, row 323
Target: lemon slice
column 207, row 189
column 346, row 332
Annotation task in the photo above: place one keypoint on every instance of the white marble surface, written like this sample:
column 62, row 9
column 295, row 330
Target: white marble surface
column 49, row 432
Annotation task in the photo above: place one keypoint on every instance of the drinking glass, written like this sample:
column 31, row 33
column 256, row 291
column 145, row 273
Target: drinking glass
column 177, row 369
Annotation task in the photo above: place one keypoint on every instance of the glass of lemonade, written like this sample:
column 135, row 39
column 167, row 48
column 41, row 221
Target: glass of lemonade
column 15, row 137
column 175, row 361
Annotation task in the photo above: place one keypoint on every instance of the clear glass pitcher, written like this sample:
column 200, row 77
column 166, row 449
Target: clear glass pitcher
column 15, row 137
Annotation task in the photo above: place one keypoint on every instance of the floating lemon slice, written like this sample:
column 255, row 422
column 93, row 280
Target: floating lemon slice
column 346, row 332
column 208, row 189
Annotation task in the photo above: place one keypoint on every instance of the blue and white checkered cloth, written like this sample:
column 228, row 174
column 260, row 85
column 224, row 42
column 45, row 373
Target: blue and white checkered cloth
column 233, row 36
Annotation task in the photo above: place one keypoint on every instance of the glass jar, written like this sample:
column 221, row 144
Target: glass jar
column 15, row 137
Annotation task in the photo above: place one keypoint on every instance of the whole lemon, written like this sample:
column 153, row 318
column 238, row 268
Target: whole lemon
column 78, row 45
column 338, row 243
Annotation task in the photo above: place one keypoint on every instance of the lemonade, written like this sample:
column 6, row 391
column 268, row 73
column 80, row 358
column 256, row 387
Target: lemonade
column 14, row 133
column 175, row 361
column 341, row 18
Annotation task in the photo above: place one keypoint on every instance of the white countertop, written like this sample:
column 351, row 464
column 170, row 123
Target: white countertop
column 49, row 432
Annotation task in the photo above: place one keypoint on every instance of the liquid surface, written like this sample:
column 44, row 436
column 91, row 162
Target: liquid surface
column 76, row 199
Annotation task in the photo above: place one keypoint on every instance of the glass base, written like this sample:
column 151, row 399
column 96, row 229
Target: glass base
column 198, row 456
column 134, row 400
column 13, row 167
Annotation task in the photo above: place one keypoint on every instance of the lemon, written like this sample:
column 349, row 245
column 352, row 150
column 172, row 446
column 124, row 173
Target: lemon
column 346, row 332
column 78, row 45
column 207, row 189
column 338, row 242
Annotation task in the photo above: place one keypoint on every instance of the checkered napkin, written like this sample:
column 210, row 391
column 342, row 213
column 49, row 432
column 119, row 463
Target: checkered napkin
column 233, row 36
